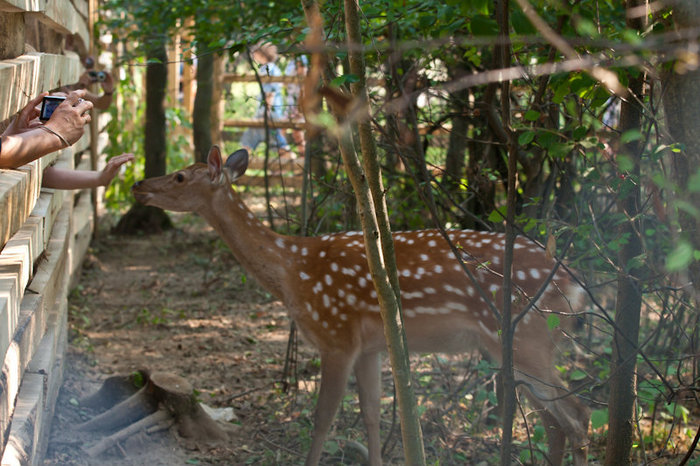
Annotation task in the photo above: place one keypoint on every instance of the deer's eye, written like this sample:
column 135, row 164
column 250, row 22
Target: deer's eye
column 180, row 177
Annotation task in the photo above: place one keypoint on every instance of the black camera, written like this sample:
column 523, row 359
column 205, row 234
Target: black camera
column 97, row 76
column 48, row 105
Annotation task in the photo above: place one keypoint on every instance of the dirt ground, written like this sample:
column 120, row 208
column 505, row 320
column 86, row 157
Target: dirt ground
column 179, row 302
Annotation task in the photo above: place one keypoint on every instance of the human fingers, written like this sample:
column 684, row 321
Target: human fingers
column 74, row 97
column 83, row 106
column 31, row 109
column 119, row 160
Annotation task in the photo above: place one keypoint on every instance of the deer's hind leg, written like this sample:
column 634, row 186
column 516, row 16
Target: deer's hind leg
column 335, row 370
column 368, row 375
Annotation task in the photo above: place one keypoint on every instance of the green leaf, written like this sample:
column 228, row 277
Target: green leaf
column 553, row 321
column 579, row 132
column 630, row 135
column 624, row 163
column 532, row 115
column 578, row 375
column 599, row 418
column 526, row 138
column 694, row 182
column 680, row 257
column 483, row 26
column 344, row 79
column 498, row 215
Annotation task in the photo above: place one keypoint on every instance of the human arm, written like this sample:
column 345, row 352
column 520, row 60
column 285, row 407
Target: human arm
column 24, row 140
column 103, row 101
column 61, row 178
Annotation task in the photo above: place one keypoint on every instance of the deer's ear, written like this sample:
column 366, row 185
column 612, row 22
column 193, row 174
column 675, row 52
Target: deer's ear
column 214, row 162
column 237, row 163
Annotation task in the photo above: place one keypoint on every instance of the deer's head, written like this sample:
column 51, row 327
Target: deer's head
column 182, row 191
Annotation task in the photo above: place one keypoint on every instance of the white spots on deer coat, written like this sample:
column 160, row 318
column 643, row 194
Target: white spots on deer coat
column 328, row 279
column 349, row 272
column 493, row 288
column 362, row 282
column 520, row 275
column 315, row 316
column 438, row 269
column 294, row 248
column 304, row 276
column 351, row 299
column 322, row 254
column 304, row 251
column 317, row 287
column 429, row 290
column 424, row 257
column 534, row 273
column 432, row 243
column 279, row 242
column 451, row 289
column 326, row 301
column 334, row 266
column 412, row 295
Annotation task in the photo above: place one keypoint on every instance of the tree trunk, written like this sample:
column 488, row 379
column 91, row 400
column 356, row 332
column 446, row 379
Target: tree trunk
column 142, row 218
column 682, row 110
column 217, row 101
column 380, row 249
column 458, row 142
column 507, row 373
column 201, row 115
column 629, row 298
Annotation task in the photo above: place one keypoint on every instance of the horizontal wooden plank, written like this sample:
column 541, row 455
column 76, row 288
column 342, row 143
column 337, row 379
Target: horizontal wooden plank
column 28, row 75
column 66, row 16
column 272, row 124
column 31, row 420
column 83, row 226
column 22, row 251
column 251, row 78
column 27, row 414
column 18, row 193
column 48, row 287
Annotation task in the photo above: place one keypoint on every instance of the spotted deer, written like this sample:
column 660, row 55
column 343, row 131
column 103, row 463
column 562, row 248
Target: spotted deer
column 326, row 286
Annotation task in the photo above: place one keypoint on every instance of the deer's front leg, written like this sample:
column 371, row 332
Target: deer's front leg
column 368, row 375
column 335, row 370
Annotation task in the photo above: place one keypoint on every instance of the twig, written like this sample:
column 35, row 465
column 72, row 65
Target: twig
column 144, row 424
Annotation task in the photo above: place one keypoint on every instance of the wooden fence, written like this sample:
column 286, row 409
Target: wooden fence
column 43, row 233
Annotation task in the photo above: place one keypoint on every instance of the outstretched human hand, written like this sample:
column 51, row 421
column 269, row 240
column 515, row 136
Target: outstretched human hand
column 112, row 168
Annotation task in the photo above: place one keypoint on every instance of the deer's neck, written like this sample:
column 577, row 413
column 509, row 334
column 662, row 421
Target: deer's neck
column 257, row 248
